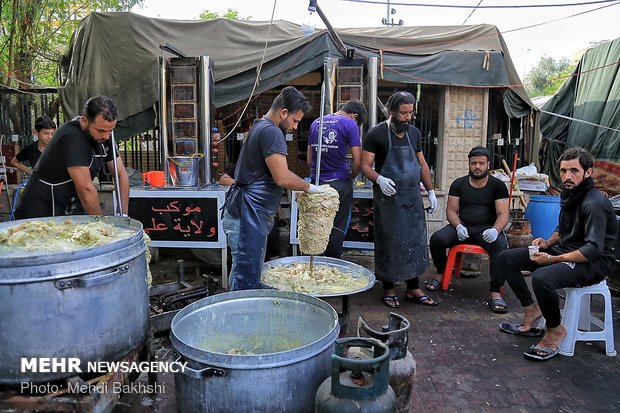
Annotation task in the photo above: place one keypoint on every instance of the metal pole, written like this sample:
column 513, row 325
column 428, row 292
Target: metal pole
column 117, row 187
column 320, row 135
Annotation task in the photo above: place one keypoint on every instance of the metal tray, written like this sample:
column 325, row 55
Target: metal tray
column 355, row 269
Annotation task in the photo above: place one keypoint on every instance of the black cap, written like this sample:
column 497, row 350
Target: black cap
column 479, row 151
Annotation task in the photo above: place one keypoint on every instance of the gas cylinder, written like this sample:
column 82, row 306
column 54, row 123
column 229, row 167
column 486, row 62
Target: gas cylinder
column 520, row 233
column 402, row 364
column 357, row 385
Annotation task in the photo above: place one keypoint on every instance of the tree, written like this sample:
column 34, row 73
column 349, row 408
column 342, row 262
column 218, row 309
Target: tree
column 230, row 14
column 35, row 33
column 548, row 75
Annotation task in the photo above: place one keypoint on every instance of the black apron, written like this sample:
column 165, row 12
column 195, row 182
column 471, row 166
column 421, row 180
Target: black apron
column 255, row 205
column 63, row 196
column 400, row 225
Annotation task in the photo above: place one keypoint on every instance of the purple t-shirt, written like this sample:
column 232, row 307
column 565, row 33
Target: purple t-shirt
column 339, row 132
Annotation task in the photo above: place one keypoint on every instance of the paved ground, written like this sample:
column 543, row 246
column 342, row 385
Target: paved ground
column 464, row 363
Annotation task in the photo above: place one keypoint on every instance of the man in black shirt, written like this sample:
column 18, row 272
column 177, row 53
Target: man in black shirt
column 44, row 129
column 477, row 213
column 261, row 173
column 62, row 180
column 580, row 252
column 401, row 253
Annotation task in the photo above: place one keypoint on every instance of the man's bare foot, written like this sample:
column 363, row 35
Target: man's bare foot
column 553, row 337
column 531, row 314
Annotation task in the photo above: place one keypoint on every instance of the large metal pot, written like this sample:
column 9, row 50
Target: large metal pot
column 90, row 304
column 290, row 335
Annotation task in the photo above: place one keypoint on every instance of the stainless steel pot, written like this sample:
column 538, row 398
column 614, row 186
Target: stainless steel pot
column 90, row 304
column 286, row 341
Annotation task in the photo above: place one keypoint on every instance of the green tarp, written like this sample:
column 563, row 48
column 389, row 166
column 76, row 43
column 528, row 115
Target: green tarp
column 116, row 54
column 592, row 95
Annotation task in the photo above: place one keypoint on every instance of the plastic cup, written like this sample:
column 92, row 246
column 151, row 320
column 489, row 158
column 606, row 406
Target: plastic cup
column 533, row 249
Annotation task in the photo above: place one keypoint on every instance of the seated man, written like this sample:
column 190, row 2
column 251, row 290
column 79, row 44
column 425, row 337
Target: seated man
column 477, row 212
column 578, row 253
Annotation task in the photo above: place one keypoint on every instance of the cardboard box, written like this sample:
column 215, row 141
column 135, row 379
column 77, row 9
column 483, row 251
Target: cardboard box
column 532, row 185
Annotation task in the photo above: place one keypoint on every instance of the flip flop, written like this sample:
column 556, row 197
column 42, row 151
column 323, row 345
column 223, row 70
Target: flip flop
column 498, row 305
column 423, row 299
column 514, row 329
column 432, row 285
column 541, row 353
column 390, row 301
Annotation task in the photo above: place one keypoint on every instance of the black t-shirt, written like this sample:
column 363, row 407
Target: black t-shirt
column 477, row 205
column 376, row 141
column 70, row 146
column 265, row 139
column 30, row 153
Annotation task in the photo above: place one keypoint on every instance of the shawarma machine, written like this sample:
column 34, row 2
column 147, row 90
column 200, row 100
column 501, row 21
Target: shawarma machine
column 186, row 86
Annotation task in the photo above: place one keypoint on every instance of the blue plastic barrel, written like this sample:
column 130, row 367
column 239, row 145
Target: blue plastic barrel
column 543, row 212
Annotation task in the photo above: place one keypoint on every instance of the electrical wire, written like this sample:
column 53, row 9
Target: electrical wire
column 559, row 19
column 459, row 6
column 472, row 12
column 258, row 70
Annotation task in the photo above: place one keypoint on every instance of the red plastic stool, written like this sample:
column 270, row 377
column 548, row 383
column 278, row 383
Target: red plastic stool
column 455, row 256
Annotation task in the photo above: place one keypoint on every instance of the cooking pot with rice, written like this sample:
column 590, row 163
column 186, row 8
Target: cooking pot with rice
column 84, row 297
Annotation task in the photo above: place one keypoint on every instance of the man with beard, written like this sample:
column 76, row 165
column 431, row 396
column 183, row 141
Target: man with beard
column 477, row 213
column 62, row 179
column 580, row 252
column 394, row 146
column 261, row 173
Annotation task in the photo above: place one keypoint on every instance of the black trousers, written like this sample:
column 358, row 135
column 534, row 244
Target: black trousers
column 446, row 237
column 342, row 218
column 546, row 279
column 412, row 284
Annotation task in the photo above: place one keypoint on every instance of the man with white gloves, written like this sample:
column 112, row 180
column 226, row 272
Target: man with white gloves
column 394, row 146
column 477, row 212
column 261, row 173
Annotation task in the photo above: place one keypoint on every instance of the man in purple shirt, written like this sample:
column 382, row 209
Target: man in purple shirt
column 341, row 133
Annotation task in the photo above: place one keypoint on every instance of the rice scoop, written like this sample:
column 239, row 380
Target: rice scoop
column 316, row 219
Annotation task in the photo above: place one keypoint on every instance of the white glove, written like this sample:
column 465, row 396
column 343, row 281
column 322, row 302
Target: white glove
column 313, row 189
column 489, row 235
column 461, row 232
column 432, row 199
column 387, row 185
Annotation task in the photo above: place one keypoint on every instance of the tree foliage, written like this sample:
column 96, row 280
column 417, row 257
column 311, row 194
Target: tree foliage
column 548, row 75
column 35, row 33
column 230, row 14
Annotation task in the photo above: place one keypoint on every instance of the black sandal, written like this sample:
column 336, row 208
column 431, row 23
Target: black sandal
column 390, row 301
column 498, row 305
column 432, row 285
column 423, row 299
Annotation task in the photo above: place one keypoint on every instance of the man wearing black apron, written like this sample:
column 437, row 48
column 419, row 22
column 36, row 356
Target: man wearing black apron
column 400, row 226
column 62, row 179
column 261, row 173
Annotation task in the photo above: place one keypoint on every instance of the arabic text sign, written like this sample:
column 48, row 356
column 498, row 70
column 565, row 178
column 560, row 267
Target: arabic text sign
column 177, row 219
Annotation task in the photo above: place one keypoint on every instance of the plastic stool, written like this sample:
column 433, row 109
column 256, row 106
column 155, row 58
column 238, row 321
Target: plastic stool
column 455, row 257
column 577, row 320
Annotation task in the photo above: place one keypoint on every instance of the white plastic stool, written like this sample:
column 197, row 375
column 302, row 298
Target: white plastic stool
column 578, row 320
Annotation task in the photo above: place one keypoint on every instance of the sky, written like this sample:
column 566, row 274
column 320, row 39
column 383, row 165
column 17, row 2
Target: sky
column 561, row 35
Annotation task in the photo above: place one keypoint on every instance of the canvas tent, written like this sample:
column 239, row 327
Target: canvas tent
column 117, row 54
column 585, row 111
